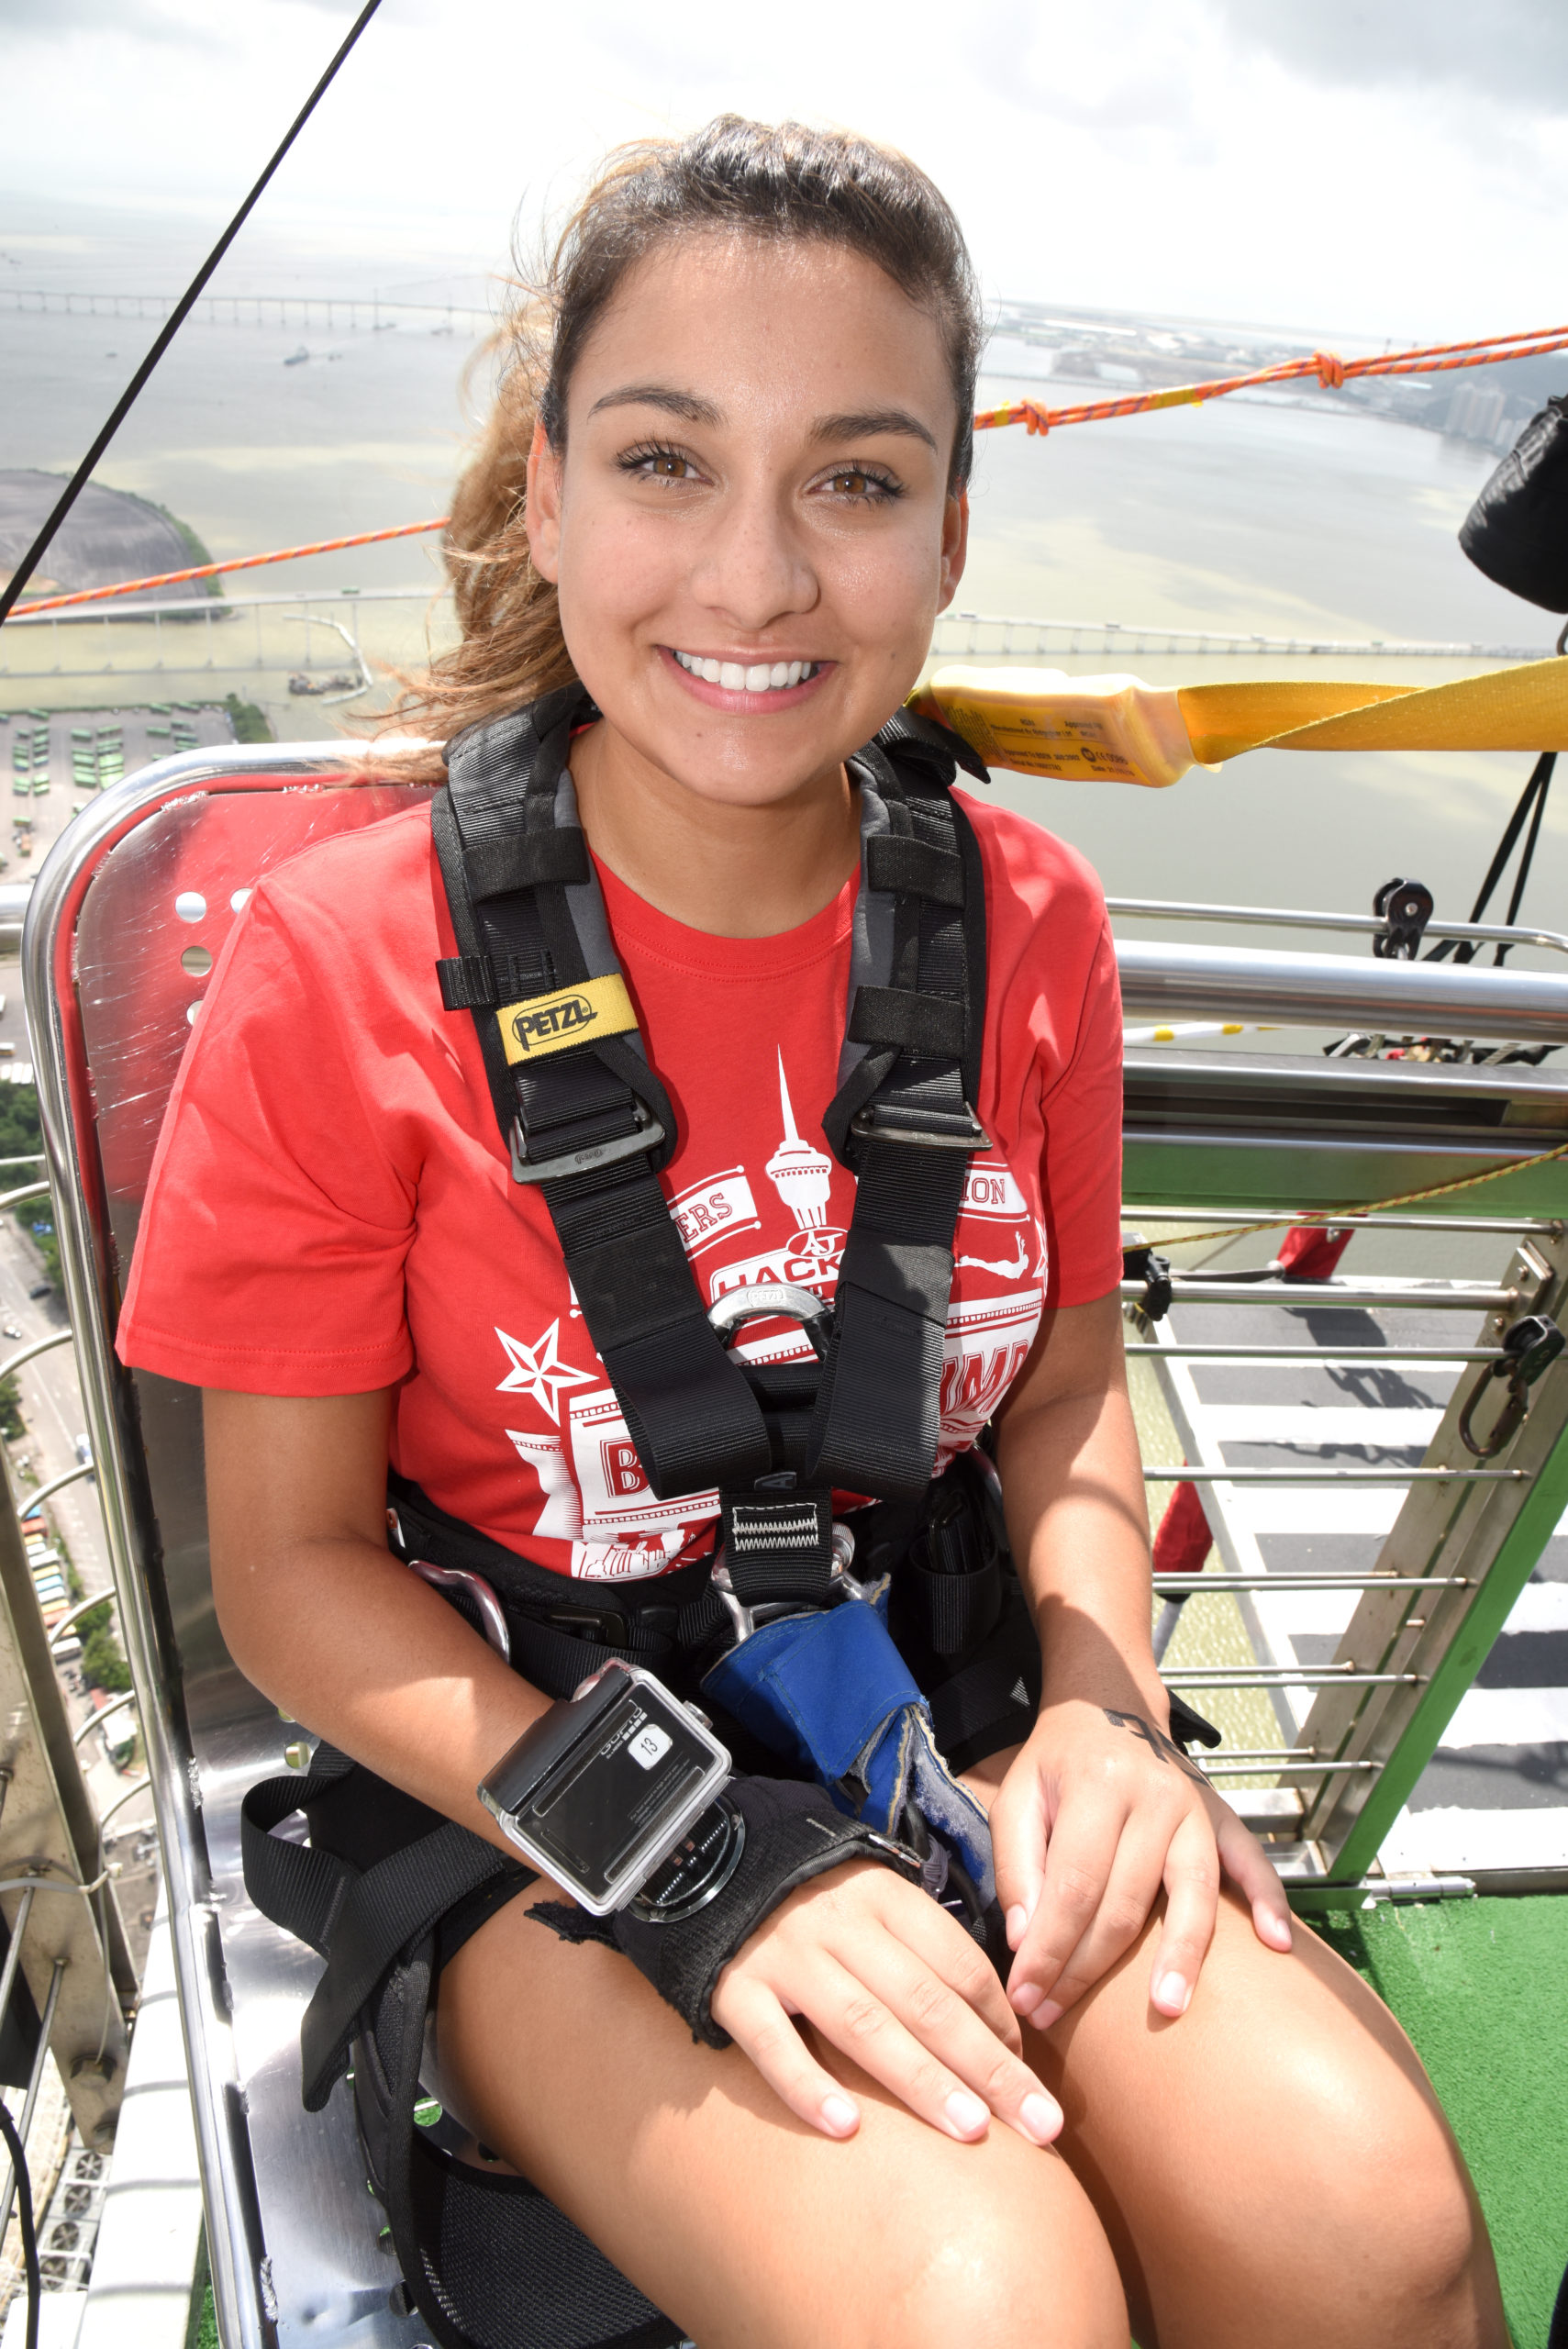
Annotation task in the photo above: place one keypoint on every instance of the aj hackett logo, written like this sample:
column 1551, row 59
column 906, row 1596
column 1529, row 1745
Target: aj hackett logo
column 552, row 1023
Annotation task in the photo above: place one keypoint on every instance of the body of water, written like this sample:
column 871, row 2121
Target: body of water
column 1245, row 515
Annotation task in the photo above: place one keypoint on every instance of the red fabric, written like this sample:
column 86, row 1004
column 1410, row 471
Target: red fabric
column 1312, row 1251
column 331, row 1210
column 1183, row 1540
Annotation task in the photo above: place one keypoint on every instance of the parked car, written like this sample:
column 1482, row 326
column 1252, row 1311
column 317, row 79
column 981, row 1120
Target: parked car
column 42, row 1288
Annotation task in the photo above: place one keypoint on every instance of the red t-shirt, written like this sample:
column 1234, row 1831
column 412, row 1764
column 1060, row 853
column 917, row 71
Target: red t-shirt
column 331, row 1207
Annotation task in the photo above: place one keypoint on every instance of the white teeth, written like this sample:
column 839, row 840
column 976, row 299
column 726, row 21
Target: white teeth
column 736, row 677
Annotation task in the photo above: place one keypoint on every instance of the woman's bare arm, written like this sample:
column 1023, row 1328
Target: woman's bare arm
column 324, row 1620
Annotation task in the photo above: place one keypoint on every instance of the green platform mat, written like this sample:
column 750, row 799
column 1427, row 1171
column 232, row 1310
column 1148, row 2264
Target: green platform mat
column 1482, row 1987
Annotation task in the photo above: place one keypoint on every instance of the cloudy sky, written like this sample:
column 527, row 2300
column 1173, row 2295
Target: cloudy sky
column 1371, row 167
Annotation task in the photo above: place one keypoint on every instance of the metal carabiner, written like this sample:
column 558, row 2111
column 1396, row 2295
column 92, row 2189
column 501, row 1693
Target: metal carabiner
column 473, row 1587
column 771, row 1301
column 1529, row 1347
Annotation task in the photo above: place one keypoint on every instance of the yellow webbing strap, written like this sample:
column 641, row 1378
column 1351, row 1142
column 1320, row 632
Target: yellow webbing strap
column 1041, row 722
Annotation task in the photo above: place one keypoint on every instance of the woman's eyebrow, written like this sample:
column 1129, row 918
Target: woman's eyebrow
column 862, row 425
column 685, row 405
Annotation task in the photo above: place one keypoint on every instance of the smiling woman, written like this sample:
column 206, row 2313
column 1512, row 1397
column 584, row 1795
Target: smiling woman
column 617, row 1153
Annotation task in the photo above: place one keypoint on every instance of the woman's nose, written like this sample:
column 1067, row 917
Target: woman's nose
column 754, row 568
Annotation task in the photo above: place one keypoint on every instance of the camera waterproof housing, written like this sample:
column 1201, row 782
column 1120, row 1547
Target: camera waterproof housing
column 604, row 1786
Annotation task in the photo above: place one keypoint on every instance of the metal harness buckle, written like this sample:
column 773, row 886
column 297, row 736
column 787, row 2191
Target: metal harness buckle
column 649, row 1133
column 887, row 1122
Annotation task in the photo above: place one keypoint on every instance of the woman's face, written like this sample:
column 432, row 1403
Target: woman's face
column 750, row 527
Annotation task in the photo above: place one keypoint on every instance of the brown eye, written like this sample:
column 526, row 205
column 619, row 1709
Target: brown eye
column 854, row 485
column 669, row 467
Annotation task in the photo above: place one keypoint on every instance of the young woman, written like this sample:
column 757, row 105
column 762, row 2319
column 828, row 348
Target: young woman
column 727, row 492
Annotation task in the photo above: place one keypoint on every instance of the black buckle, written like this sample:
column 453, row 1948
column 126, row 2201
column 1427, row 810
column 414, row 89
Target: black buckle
column 649, row 1133
column 604, row 1625
column 937, row 1129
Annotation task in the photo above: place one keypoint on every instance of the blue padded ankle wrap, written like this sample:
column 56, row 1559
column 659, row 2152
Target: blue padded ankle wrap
column 830, row 1695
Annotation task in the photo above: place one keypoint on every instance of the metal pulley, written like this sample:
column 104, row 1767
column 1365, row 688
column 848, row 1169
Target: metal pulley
column 1405, row 908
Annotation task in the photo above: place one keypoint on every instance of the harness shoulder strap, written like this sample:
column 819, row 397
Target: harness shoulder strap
column 583, row 1114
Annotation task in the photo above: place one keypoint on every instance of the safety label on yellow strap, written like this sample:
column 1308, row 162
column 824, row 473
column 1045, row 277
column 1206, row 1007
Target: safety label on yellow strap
column 552, row 1023
column 1115, row 728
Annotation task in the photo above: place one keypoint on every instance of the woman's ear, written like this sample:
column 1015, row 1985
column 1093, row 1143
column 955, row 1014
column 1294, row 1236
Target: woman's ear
column 955, row 545
column 541, row 515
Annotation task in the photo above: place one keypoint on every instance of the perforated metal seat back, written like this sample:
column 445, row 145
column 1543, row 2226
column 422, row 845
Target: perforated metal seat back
column 129, row 920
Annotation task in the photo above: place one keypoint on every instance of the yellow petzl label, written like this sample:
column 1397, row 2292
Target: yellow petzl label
column 552, row 1023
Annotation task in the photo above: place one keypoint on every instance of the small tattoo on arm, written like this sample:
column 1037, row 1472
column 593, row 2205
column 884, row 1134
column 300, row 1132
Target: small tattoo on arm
column 1164, row 1749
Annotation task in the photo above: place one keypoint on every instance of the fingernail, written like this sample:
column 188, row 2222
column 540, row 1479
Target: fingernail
column 1025, row 1998
column 1278, row 1931
column 840, row 2117
column 966, row 2112
column 1045, row 2014
column 1174, row 1993
column 1042, row 2118
column 1017, row 1926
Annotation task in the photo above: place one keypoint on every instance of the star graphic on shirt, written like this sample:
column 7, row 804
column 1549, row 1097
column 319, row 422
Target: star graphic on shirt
column 537, row 1370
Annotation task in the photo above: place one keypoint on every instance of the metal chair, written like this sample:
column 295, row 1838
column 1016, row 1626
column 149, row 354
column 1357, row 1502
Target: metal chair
column 128, row 918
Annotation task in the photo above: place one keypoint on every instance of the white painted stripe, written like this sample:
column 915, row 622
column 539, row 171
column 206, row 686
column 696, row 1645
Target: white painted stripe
column 1449, row 1840
column 1539, row 1607
column 1336, row 1423
column 1509, row 1716
column 1368, row 1510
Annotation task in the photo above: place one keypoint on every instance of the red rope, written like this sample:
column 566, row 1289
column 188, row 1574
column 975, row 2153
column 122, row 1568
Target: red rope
column 1331, row 371
column 238, row 562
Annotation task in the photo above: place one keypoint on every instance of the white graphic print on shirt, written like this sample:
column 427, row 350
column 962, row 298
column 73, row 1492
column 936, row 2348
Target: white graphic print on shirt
column 595, row 1495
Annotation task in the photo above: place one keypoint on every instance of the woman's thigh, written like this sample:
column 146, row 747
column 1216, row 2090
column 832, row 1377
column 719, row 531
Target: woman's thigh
column 752, row 2229
column 1274, row 2167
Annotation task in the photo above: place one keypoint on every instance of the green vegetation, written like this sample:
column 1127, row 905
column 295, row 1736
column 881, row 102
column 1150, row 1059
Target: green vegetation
column 249, row 723
column 103, row 1666
column 198, row 553
column 12, row 1423
column 19, row 1137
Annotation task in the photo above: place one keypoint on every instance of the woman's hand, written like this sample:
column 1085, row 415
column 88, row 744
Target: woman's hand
column 894, row 1983
column 1100, row 1811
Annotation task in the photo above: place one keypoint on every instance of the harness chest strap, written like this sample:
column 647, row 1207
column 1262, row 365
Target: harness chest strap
column 585, row 1117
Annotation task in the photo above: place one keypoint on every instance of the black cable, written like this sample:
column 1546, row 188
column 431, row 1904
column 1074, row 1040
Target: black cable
column 25, row 2220
column 1545, row 766
column 182, row 310
column 1532, row 799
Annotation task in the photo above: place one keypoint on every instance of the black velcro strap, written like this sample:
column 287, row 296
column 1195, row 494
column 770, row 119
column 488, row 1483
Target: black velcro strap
column 929, row 1025
column 526, row 861
column 792, row 1833
column 898, row 861
column 779, row 1549
column 299, row 1888
column 484, row 982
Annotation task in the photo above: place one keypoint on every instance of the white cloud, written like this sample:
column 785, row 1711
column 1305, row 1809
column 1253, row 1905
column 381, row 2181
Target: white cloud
column 1248, row 159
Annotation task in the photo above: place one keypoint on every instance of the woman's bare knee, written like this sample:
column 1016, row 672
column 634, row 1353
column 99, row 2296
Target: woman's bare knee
column 1000, row 2282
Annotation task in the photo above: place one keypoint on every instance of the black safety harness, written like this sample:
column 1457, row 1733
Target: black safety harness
column 585, row 1119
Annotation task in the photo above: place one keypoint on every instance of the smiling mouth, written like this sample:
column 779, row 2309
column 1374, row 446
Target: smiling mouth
column 741, row 677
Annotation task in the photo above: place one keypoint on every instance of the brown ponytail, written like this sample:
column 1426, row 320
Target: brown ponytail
column 781, row 180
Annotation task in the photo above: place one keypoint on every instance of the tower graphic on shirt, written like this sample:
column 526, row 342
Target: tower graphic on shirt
column 801, row 1175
